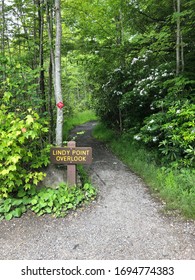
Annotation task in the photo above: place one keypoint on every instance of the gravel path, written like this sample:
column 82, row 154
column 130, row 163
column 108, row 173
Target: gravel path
column 125, row 222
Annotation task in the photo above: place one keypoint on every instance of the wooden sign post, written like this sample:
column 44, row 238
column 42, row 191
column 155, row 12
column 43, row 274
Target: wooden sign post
column 71, row 168
column 70, row 156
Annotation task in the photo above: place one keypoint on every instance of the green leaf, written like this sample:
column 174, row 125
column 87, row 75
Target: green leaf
column 32, row 191
column 15, row 159
column 50, row 203
column 8, row 216
column 17, row 212
column 34, row 201
column 17, row 202
column 29, row 119
column 42, row 204
column 26, row 200
column 40, row 213
column 7, row 207
column 21, row 193
column 4, row 172
column 48, row 210
column 70, row 205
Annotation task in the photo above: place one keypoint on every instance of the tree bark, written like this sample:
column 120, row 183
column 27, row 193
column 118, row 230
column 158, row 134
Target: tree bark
column 50, row 35
column 3, row 27
column 55, row 66
column 179, row 42
column 58, row 90
column 41, row 55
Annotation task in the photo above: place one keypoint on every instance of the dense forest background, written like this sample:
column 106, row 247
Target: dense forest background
column 131, row 61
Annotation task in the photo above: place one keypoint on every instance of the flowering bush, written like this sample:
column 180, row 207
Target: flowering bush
column 173, row 132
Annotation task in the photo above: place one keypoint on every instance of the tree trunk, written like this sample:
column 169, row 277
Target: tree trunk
column 50, row 35
column 182, row 54
column 56, row 65
column 58, row 90
column 50, row 107
column 179, row 42
column 3, row 27
column 41, row 57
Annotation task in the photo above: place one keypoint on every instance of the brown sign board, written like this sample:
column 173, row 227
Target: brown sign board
column 68, row 155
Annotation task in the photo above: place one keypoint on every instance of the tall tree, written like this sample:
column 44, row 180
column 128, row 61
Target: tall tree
column 40, row 4
column 57, row 79
column 2, row 8
column 179, row 48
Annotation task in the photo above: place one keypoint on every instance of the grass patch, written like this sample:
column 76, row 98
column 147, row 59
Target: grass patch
column 77, row 119
column 175, row 187
column 103, row 134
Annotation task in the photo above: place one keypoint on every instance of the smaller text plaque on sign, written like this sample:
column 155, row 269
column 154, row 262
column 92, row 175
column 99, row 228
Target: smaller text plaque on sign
column 66, row 155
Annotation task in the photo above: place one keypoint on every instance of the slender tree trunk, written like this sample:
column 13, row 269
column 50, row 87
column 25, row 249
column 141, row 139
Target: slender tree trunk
column 56, row 66
column 41, row 56
column 178, row 40
column 50, row 35
column 3, row 27
column 120, row 41
column 182, row 54
column 50, row 106
column 2, row 21
column 49, row 13
column 58, row 90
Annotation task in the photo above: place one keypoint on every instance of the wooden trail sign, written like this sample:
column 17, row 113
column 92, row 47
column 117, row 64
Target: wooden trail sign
column 70, row 156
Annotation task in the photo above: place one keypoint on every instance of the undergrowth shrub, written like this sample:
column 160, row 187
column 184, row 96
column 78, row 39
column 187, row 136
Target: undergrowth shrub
column 46, row 200
column 173, row 134
column 22, row 150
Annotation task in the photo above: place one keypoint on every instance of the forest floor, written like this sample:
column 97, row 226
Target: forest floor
column 124, row 222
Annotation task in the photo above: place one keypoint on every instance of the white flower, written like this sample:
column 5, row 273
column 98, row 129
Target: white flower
column 152, row 121
column 151, row 107
column 134, row 60
column 137, row 137
column 178, row 111
column 118, row 92
column 164, row 75
column 155, row 139
column 142, row 92
column 117, row 70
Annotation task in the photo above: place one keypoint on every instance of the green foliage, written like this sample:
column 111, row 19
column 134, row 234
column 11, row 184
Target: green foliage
column 144, row 88
column 175, row 187
column 173, row 132
column 102, row 133
column 20, row 85
column 22, row 150
column 46, row 201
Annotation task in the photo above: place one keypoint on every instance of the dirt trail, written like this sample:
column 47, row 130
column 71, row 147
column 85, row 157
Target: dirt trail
column 124, row 223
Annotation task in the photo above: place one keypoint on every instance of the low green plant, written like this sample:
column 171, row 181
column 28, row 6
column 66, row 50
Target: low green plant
column 102, row 133
column 46, row 201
